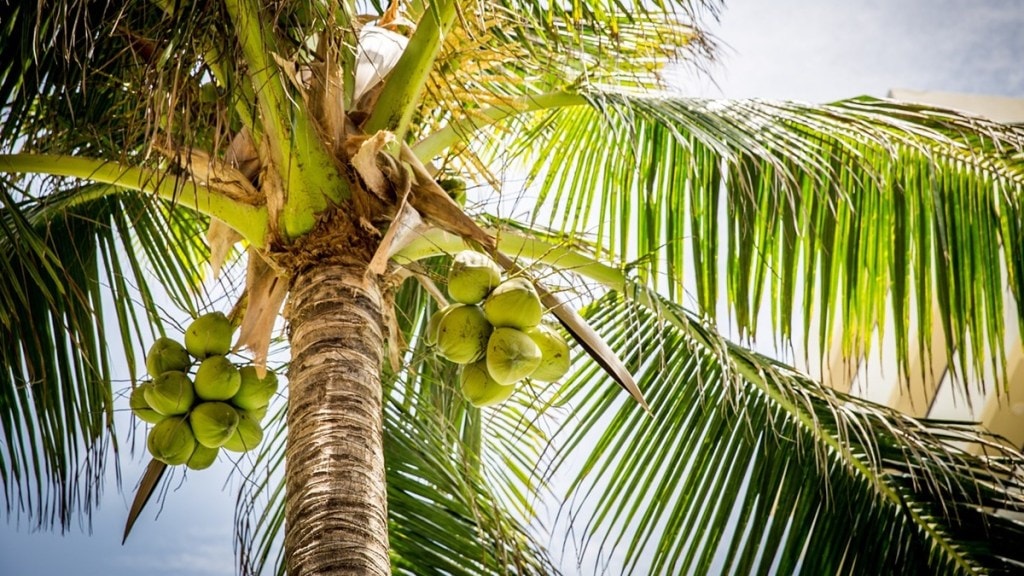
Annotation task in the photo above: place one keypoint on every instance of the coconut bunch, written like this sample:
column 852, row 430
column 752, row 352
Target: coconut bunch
column 198, row 400
column 494, row 330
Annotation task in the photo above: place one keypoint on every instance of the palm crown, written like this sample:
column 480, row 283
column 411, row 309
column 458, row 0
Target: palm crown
column 147, row 126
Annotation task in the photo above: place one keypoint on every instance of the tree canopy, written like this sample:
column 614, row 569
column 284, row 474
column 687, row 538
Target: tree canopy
column 125, row 138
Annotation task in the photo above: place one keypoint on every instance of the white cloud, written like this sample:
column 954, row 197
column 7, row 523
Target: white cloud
column 826, row 50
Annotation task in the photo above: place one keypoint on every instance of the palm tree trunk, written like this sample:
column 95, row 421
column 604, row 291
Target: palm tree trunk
column 336, row 500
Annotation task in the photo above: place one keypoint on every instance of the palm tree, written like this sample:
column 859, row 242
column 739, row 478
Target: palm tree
column 130, row 131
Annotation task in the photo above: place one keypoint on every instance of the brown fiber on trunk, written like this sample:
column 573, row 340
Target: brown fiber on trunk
column 336, row 506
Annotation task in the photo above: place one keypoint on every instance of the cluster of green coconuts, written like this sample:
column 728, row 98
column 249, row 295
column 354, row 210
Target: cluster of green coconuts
column 198, row 401
column 494, row 330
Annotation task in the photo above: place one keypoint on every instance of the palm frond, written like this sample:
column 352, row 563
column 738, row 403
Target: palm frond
column 78, row 327
column 594, row 26
column 495, row 495
column 876, row 207
column 105, row 81
column 748, row 467
column 442, row 518
column 501, row 54
column 472, row 531
column 94, row 80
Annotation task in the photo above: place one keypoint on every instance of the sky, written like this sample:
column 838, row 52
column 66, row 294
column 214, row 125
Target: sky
column 806, row 50
column 827, row 50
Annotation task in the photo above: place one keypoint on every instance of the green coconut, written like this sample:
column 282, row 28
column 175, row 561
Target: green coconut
column 514, row 304
column 430, row 334
column 171, row 441
column 254, row 392
column 480, row 388
column 213, row 423
column 462, row 334
column 247, row 436
column 472, row 276
column 203, row 457
column 511, row 355
column 554, row 350
column 170, row 394
column 258, row 414
column 141, row 408
column 167, row 354
column 209, row 335
column 217, row 379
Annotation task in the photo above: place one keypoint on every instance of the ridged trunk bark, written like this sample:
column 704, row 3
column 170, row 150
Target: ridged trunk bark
column 336, row 500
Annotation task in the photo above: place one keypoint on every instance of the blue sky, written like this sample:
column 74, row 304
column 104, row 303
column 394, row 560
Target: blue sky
column 805, row 50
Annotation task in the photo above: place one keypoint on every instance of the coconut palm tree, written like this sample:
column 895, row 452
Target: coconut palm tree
column 331, row 163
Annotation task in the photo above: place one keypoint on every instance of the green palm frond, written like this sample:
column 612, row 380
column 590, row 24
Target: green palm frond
column 747, row 467
column 104, row 81
column 472, row 531
column 74, row 286
column 443, row 519
column 876, row 207
column 497, row 56
column 500, row 56
column 429, row 408
column 583, row 23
